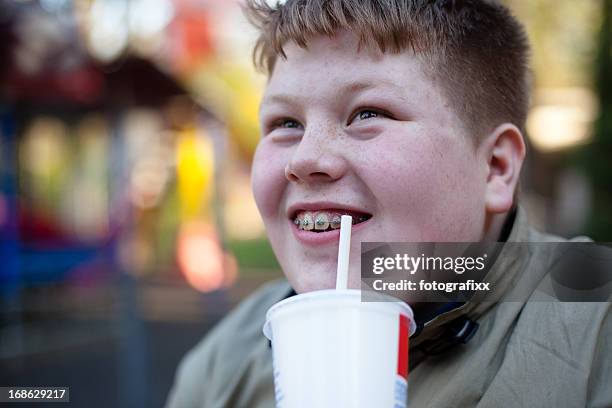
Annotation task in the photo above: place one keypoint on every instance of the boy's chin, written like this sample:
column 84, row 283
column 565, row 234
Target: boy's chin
column 313, row 283
column 305, row 287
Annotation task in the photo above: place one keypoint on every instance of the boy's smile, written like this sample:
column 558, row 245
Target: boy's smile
column 355, row 131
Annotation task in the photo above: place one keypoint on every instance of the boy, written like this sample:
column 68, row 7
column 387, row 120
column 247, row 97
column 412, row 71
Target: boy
column 408, row 115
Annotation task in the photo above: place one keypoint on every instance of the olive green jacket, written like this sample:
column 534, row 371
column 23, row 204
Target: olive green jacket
column 525, row 354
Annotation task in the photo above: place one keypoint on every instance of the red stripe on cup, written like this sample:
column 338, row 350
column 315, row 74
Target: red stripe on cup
column 402, row 353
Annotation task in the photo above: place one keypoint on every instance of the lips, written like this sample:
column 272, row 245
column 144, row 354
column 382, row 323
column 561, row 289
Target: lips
column 319, row 223
column 348, row 209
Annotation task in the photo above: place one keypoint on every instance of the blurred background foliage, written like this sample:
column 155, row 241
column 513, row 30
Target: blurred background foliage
column 596, row 157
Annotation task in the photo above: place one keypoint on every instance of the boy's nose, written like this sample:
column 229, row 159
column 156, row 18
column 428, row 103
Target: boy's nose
column 314, row 161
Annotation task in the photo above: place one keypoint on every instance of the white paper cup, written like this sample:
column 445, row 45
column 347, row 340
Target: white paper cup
column 330, row 349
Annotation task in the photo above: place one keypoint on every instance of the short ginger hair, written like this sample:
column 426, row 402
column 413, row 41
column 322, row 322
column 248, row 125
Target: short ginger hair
column 475, row 50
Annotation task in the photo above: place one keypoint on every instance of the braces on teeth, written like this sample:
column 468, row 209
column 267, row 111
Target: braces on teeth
column 322, row 221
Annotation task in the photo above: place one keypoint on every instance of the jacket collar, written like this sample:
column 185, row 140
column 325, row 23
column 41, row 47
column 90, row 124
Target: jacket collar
column 503, row 275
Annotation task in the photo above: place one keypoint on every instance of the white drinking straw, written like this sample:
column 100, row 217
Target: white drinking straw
column 344, row 250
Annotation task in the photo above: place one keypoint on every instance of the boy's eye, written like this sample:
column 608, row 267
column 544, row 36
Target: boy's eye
column 291, row 124
column 287, row 124
column 365, row 114
column 283, row 127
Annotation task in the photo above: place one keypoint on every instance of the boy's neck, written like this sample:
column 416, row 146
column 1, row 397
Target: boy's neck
column 499, row 226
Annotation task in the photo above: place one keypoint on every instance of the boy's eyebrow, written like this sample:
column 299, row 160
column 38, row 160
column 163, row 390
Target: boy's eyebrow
column 278, row 98
column 349, row 88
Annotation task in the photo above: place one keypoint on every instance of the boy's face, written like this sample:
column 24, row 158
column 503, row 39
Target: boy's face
column 368, row 132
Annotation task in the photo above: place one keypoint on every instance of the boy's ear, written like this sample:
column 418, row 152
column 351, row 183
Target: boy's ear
column 504, row 150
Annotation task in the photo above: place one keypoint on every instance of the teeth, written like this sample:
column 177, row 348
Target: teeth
column 335, row 222
column 321, row 221
column 357, row 220
column 307, row 222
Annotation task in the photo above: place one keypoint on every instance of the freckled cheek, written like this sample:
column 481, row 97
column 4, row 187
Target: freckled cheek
column 268, row 180
column 398, row 171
